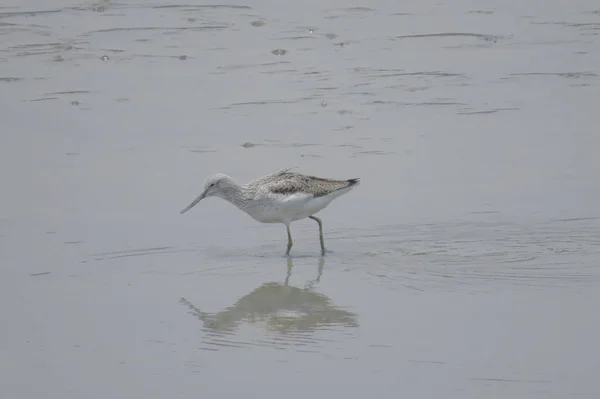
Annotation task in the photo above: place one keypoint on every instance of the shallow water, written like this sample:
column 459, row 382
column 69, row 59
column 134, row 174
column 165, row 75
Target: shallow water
column 466, row 265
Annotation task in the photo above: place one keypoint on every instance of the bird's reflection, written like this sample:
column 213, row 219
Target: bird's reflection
column 311, row 283
column 279, row 307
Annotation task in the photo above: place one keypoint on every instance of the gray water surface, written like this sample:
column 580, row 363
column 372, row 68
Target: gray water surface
column 466, row 265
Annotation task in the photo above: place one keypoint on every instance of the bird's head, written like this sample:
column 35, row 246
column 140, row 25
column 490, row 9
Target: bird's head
column 215, row 186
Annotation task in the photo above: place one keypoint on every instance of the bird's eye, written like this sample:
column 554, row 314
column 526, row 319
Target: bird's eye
column 212, row 185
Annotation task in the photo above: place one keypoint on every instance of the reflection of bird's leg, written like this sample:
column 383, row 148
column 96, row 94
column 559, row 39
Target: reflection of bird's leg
column 312, row 283
column 289, row 271
column 320, row 233
column 321, row 267
column 290, row 242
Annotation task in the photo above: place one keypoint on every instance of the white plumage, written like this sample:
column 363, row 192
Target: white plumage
column 281, row 197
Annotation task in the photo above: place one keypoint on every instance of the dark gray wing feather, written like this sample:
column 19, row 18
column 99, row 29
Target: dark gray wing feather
column 290, row 183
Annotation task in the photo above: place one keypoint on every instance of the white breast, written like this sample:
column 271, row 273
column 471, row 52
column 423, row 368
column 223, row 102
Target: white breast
column 286, row 208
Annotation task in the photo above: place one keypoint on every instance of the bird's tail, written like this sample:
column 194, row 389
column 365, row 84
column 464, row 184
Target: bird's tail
column 353, row 182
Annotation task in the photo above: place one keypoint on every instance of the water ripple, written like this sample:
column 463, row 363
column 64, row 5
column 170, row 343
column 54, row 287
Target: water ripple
column 555, row 254
column 487, row 38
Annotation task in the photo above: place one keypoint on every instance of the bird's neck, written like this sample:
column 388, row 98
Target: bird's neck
column 237, row 195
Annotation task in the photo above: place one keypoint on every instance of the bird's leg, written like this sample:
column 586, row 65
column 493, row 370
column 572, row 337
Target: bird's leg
column 290, row 242
column 320, row 233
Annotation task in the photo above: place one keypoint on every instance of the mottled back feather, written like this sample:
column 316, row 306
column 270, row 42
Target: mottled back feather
column 290, row 183
column 268, row 178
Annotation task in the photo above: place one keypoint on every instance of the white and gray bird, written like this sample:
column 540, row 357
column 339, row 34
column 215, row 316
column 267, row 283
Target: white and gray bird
column 281, row 197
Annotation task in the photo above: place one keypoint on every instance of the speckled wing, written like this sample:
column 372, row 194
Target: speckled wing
column 270, row 177
column 291, row 183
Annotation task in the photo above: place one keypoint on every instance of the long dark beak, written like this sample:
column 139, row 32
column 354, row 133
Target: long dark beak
column 190, row 206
